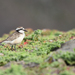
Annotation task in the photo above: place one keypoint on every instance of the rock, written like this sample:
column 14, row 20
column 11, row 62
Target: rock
column 62, row 62
column 7, row 65
column 31, row 65
column 21, row 62
column 68, row 46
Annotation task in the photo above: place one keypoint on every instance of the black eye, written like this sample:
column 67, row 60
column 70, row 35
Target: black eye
column 19, row 30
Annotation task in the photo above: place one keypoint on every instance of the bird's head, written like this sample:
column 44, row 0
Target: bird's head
column 21, row 30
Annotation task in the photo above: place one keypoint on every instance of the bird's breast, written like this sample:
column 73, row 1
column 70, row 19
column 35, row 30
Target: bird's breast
column 18, row 40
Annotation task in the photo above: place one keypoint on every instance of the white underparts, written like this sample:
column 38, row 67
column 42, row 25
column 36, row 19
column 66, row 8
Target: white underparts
column 16, row 41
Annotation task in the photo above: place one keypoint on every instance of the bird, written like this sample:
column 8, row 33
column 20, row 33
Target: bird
column 15, row 38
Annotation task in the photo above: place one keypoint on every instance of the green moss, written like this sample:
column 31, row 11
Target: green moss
column 39, row 44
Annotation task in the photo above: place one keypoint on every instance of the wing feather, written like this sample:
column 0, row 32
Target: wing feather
column 13, row 36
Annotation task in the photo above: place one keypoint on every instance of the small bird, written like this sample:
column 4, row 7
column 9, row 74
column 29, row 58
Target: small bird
column 15, row 38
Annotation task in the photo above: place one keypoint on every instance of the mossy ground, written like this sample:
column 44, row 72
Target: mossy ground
column 34, row 51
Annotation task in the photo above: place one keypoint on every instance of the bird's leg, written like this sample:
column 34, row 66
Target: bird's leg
column 15, row 47
column 12, row 47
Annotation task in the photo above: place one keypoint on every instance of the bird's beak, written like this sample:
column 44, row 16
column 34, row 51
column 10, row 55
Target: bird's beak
column 25, row 30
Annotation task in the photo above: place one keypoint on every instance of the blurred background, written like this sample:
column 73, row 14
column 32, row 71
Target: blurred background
column 37, row 14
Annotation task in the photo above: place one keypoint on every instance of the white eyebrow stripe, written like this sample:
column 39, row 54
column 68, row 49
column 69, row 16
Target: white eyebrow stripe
column 20, row 28
column 17, row 28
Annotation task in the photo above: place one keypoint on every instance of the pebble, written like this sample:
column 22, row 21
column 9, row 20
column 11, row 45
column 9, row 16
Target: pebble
column 1, row 54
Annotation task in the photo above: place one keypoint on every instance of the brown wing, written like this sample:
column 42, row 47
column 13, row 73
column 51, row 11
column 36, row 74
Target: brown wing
column 13, row 36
